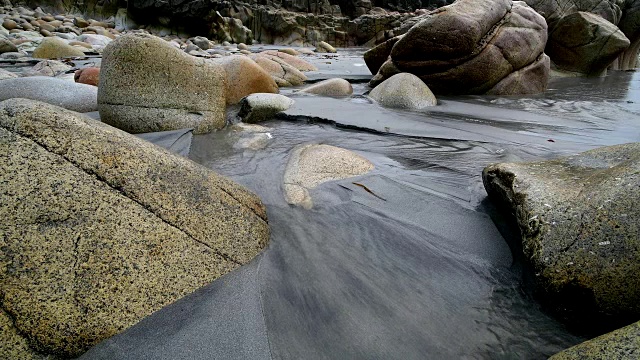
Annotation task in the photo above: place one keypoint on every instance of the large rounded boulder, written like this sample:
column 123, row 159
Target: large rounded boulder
column 100, row 229
column 147, row 85
column 470, row 47
column 580, row 223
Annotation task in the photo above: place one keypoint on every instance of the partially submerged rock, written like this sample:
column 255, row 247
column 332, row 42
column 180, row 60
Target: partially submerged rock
column 147, row 85
column 580, row 224
column 621, row 344
column 404, row 91
column 67, row 94
column 312, row 165
column 101, row 229
column 261, row 107
column 330, row 87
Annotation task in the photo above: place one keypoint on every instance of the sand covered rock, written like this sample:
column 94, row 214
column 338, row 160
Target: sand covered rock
column 100, row 228
column 147, row 85
column 330, row 87
column 66, row 94
column 579, row 218
column 55, row 48
column 469, row 47
column 312, row 165
column 403, row 91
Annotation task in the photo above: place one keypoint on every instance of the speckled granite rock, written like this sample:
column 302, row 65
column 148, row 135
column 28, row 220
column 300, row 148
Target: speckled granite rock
column 147, row 85
column 312, row 165
column 621, row 344
column 580, row 222
column 100, row 228
column 261, row 107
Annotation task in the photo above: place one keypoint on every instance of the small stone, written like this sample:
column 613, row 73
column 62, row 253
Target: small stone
column 54, row 48
column 261, row 107
column 330, row 87
column 403, row 91
column 7, row 46
column 323, row 47
column 243, row 46
column 89, row 76
column 9, row 24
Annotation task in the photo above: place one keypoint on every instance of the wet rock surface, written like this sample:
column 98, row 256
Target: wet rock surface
column 579, row 222
column 623, row 343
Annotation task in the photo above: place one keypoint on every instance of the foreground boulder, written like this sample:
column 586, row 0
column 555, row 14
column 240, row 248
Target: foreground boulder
column 100, row 229
column 67, row 94
column 579, row 217
column 471, row 47
column 621, row 344
column 147, row 85
column 585, row 43
column 312, row 165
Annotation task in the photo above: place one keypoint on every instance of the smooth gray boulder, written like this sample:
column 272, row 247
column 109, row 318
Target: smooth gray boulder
column 404, row 91
column 67, row 94
column 100, row 229
column 261, row 107
column 313, row 164
column 580, row 222
column 147, row 85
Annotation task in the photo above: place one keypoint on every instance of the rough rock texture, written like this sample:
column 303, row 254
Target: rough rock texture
column 585, row 43
column 100, row 228
column 147, row 85
column 48, row 68
column 6, row 74
column 330, row 87
column 469, row 47
column 374, row 58
column 261, row 107
column 621, row 344
column 100, row 9
column 403, row 91
column 580, row 224
column 67, row 94
column 281, row 72
column 55, row 48
column 300, row 64
column 312, row 165
column 244, row 77
column 623, row 13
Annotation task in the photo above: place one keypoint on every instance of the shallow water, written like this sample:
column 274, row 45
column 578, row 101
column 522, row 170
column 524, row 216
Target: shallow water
column 422, row 269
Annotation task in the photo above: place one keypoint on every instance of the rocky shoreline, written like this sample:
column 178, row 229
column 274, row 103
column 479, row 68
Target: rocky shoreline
column 126, row 228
